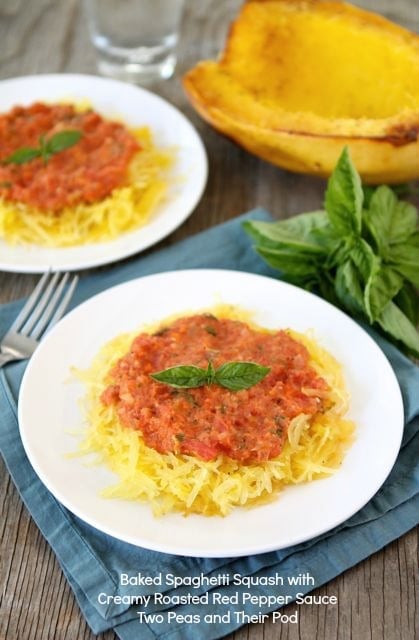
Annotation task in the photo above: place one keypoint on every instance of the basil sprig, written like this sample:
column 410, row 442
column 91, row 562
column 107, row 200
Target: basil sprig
column 47, row 147
column 361, row 253
column 231, row 375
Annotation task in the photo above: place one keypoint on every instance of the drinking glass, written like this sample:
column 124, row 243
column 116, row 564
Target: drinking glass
column 135, row 40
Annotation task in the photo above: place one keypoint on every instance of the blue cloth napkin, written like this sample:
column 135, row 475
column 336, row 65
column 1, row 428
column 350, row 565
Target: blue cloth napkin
column 93, row 562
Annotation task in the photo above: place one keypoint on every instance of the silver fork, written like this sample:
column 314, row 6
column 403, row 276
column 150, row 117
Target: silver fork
column 44, row 307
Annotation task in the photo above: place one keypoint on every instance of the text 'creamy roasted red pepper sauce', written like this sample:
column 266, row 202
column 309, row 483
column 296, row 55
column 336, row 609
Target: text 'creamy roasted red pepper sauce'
column 84, row 173
column 248, row 425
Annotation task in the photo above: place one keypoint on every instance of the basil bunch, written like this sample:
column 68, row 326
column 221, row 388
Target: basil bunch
column 361, row 253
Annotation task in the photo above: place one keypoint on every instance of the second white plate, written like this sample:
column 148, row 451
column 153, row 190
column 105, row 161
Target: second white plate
column 136, row 107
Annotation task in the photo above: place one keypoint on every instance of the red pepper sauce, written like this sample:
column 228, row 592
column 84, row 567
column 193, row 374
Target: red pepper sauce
column 84, row 173
column 248, row 425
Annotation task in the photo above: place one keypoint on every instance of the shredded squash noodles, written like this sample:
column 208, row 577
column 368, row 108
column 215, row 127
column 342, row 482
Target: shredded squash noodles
column 126, row 208
column 182, row 483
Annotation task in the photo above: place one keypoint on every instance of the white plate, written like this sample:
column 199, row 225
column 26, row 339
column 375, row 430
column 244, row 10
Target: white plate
column 136, row 107
column 48, row 409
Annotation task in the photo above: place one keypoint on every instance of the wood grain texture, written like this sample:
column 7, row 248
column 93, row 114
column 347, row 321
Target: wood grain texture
column 377, row 598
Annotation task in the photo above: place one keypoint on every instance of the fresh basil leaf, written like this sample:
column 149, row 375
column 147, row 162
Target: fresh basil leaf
column 328, row 239
column 290, row 262
column 368, row 265
column 382, row 286
column 325, row 286
column 405, row 258
column 410, row 272
column 232, row 375
column 405, row 224
column 240, row 375
column 47, row 148
column 396, row 324
column 63, row 140
column 183, row 376
column 407, row 300
column 21, row 156
column 349, row 289
column 389, row 220
column 364, row 258
column 344, row 197
column 339, row 254
column 299, row 232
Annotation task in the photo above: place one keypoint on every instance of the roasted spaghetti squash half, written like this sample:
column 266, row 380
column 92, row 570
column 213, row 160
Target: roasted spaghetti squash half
column 300, row 79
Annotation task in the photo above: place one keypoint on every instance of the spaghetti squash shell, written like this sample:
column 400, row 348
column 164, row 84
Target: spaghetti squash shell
column 300, row 79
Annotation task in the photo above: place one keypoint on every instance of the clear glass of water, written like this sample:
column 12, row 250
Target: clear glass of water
column 135, row 40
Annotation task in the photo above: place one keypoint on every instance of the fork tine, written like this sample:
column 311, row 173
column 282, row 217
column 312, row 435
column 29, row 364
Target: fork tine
column 48, row 308
column 40, row 305
column 60, row 310
column 30, row 303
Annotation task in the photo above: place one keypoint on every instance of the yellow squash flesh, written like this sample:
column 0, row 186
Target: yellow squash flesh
column 299, row 79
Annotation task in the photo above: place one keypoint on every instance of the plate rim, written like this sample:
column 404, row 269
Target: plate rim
column 67, row 264
column 255, row 549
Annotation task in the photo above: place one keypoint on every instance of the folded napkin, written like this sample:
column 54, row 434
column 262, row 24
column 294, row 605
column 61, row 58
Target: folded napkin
column 93, row 562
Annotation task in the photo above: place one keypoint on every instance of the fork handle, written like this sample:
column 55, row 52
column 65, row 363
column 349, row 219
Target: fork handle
column 7, row 357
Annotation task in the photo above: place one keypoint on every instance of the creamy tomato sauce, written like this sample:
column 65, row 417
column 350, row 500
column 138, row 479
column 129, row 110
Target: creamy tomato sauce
column 248, row 425
column 86, row 172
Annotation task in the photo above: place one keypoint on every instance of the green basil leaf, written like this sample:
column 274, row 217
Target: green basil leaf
column 368, row 265
column 21, row 156
column 407, row 300
column 405, row 258
column 327, row 238
column 63, row 140
column 338, row 255
column 349, row 289
column 290, row 262
column 396, row 324
column 410, row 272
column 364, row 258
column 344, row 197
column 325, row 286
column 405, row 222
column 240, row 375
column 401, row 191
column 389, row 220
column 232, row 375
column 47, row 148
column 381, row 288
column 299, row 233
column 183, row 376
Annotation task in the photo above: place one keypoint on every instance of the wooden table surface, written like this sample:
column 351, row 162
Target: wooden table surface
column 377, row 598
